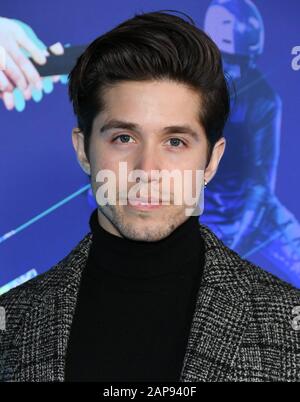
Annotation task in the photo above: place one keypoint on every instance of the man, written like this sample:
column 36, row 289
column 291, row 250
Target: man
column 150, row 294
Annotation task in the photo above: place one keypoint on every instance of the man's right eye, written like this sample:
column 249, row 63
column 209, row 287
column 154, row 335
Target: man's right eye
column 124, row 138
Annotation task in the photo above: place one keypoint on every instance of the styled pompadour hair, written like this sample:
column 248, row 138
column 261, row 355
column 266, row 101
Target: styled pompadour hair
column 152, row 46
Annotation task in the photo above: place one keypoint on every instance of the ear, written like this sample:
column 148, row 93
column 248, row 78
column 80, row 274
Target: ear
column 78, row 144
column 215, row 158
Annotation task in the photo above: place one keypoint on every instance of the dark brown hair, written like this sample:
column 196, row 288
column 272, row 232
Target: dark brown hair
column 152, row 46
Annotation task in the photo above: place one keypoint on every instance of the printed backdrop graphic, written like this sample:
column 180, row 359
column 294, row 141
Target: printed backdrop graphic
column 252, row 203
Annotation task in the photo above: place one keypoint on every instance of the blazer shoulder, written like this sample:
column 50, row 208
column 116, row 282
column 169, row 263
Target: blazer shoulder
column 274, row 304
column 53, row 279
column 271, row 298
column 229, row 270
column 19, row 302
column 267, row 283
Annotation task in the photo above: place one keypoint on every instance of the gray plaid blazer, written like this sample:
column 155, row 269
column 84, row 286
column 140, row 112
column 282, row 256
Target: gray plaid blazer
column 241, row 329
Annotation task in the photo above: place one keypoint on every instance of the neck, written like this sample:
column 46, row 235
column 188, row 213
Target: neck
column 106, row 224
column 140, row 258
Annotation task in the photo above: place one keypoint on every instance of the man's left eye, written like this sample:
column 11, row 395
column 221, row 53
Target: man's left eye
column 175, row 142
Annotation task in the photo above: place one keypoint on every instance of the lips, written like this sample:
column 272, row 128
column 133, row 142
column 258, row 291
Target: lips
column 144, row 202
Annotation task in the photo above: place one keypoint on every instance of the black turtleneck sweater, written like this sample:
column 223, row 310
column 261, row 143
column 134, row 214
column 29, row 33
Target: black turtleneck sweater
column 135, row 306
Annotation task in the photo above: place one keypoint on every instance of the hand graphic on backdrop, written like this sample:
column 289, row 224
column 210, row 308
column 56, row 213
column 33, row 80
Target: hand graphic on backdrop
column 19, row 80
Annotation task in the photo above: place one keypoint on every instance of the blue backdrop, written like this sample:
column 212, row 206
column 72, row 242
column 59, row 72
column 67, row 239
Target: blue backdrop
column 44, row 202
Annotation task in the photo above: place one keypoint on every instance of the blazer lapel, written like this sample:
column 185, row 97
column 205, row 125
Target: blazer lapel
column 220, row 317
column 45, row 333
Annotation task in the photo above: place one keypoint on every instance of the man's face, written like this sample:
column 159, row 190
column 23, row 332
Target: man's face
column 145, row 144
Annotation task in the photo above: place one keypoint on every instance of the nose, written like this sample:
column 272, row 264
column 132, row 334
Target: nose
column 147, row 160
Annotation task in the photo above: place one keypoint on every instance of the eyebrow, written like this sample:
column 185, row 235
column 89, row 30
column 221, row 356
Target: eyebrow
column 126, row 125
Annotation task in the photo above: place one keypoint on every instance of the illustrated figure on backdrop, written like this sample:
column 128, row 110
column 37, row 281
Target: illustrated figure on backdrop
column 240, row 204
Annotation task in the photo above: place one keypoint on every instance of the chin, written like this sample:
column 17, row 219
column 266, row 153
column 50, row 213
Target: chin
column 145, row 230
